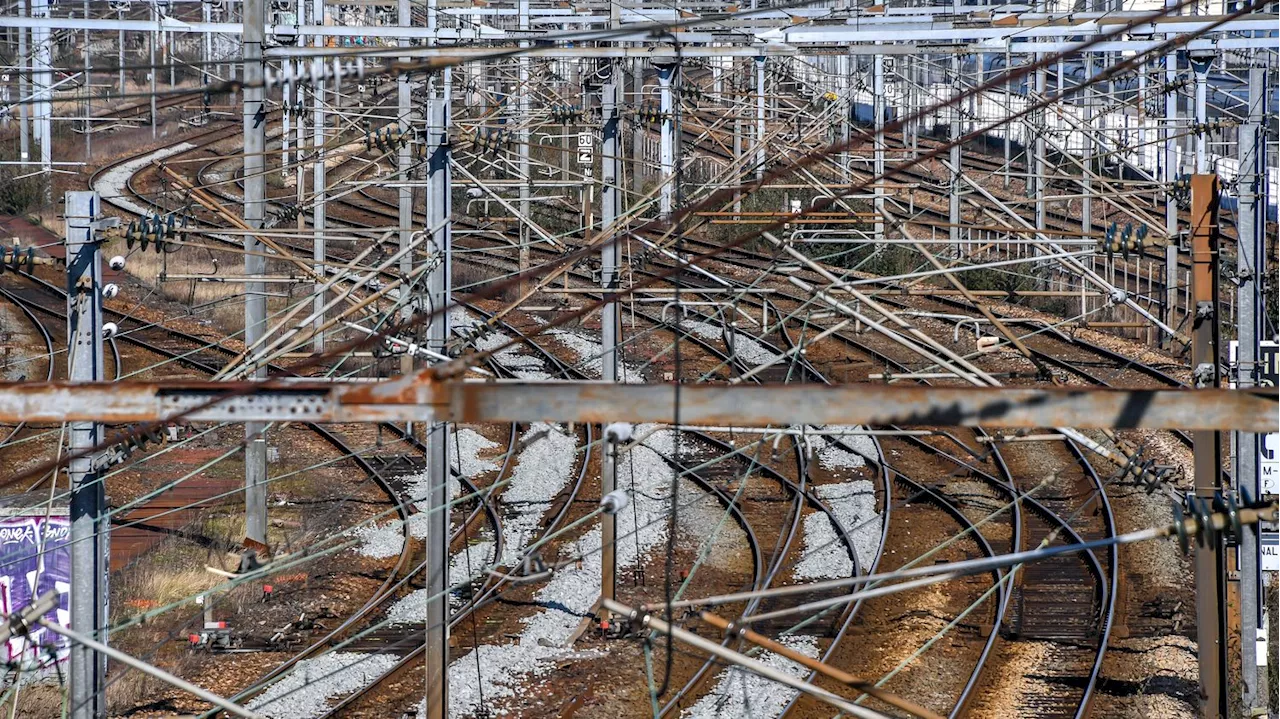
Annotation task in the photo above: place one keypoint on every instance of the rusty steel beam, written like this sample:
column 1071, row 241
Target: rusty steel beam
column 423, row 398
column 1210, row 563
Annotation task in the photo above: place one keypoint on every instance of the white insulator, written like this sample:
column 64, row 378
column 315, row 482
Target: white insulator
column 110, row 290
column 109, row 330
column 615, row 501
column 618, row 431
column 1119, row 296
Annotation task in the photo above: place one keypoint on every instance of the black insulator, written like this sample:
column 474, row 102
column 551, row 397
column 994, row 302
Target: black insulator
column 1232, row 510
column 1180, row 524
column 1246, row 499
column 1205, row 534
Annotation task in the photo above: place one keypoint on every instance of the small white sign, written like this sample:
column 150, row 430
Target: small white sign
column 585, row 157
column 585, row 140
column 1269, row 543
column 1268, row 443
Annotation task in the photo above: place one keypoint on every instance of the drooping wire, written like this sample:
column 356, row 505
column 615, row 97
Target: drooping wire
column 475, row 629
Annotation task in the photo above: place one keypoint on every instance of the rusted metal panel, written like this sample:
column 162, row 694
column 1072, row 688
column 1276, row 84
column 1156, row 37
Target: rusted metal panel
column 863, row 404
column 421, row 398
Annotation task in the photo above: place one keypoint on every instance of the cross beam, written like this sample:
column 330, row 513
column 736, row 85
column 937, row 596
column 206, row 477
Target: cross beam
column 423, row 398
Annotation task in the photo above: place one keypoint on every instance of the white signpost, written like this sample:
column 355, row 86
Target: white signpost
column 1269, row 452
column 1269, row 444
column 586, row 152
column 1269, row 543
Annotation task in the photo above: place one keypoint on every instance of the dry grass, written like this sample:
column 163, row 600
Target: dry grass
column 219, row 302
column 133, row 689
column 163, row 587
column 125, row 693
column 36, row 701
column 225, row 298
column 170, row 571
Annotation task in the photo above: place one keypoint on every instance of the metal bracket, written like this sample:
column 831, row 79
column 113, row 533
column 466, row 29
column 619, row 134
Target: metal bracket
column 97, row 227
column 1204, row 374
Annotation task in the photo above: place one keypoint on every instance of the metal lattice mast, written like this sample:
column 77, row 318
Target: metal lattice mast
column 1251, row 222
column 438, row 289
column 255, row 300
column 610, row 211
column 319, row 216
column 89, row 557
column 404, row 163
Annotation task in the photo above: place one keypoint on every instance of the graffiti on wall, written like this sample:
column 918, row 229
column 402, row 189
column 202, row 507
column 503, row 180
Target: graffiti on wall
column 34, row 558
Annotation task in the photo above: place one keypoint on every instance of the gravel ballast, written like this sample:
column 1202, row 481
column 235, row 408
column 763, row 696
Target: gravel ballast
column 852, row 502
column 503, row 670
column 387, row 539
column 742, row 345
column 742, row 693
column 305, row 692
column 114, row 182
column 542, row 470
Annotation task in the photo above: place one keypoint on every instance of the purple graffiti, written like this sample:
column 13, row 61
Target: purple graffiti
column 26, row 572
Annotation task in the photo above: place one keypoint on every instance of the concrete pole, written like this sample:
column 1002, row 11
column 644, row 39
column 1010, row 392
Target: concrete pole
column 1086, row 179
column 953, row 188
column 255, row 300
column 878, row 107
column 168, row 56
column 1200, row 68
column 43, row 56
column 1210, row 564
column 300, row 140
column 286, row 122
column 1143, row 69
column 737, row 156
column 88, row 499
column 523, row 137
column 151, row 71
column 206, row 48
column 120, row 47
column 667, row 139
column 1038, row 167
column 1251, row 223
column 319, row 215
column 24, row 83
column 638, row 132
column 610, row 210
column 1169, row 173
column 88, row 91
column 1008, row 131
column 404, row 161
column 844, row 62
column 760, row 125
column 439, row 284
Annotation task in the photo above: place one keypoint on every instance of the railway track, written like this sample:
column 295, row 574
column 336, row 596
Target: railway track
column 206, row 358
column 1061, row 625
column 946, row 504
column 1033, row 610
